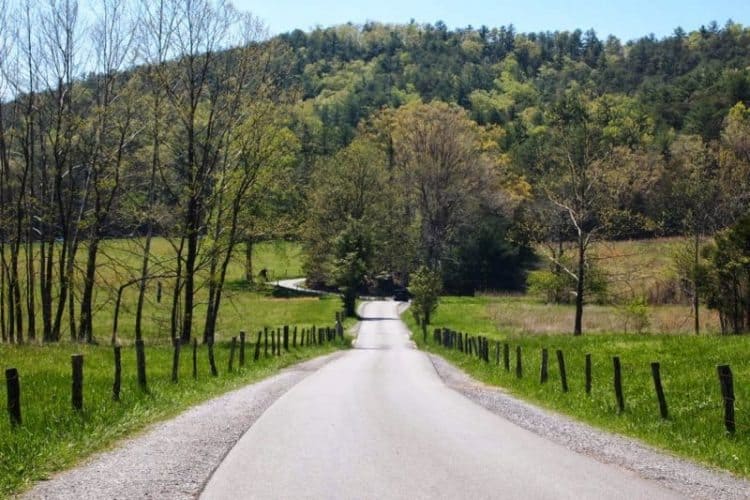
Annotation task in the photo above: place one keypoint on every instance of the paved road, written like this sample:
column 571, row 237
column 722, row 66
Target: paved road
column 379, row 423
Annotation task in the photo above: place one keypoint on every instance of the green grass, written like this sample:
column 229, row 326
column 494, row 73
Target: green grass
column 695, row 428
column 242, row 306
column 53, row 437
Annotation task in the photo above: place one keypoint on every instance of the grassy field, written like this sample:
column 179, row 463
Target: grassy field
column 242, row 306
column 637, row 268
column 53, row 437
column 688, row 364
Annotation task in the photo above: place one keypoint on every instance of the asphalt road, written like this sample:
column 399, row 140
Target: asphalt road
column 379, row 423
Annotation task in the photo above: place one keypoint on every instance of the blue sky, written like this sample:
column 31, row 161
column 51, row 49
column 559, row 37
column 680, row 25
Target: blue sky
column 626, row 19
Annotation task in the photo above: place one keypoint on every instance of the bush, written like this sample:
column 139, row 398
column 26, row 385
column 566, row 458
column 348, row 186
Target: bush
column 635, row 315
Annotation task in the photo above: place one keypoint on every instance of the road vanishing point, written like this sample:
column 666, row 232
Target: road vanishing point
column 379, row 422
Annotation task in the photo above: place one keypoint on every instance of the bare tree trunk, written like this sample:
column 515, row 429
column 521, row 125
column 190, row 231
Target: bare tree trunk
column 696, row 298
column 85, row 332
column 578, row 327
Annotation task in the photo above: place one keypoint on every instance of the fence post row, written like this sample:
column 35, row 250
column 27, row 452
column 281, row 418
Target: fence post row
column 118, row 373
column 14, row 396
column 563, row 374
column 618, row 384
column 76, row 361
column 544, row 375
column 727, row 394
column 655, row 373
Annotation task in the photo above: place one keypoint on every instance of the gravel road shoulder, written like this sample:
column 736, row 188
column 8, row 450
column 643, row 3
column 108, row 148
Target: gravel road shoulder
column 680, row 475
column 174, row 459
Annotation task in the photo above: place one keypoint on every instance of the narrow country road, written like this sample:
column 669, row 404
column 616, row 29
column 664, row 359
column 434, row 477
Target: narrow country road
column 379, row 423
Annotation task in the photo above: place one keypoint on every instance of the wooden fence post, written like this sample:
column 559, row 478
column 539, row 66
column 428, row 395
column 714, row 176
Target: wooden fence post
column 544, row 375
column 118, row 373
column 158, row 292
column 588, row 373
column 727, row 393
column 563, row 374
column 195, row 359
column 286, row 338
column 265, row 341
column 211, row 360
column 497, row 352
column 176, row 360
column 76, row 361
column 140, row 362
column 618, row 385
column 656, row 374
column 242, row 348
column 506, row 357
column 232, row 348
column 519, row 365
column 294, row 337
column 14, row 396
column 257, row 346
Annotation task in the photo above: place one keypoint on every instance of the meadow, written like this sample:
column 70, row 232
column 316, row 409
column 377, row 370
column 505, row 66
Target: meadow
column 695, row 427
column 53, row 437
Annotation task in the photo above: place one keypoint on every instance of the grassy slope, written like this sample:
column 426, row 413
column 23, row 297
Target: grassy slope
column 688, row 365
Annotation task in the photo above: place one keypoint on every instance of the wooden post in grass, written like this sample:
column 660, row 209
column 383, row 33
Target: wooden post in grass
column 118, row 373
column 158, row 292
column 211, row 359
column 286, row 338
column 265, row 341
column 14, row 396
column 497, row 352
column 294, row 337
column 506, row 357
column 659, row 390
column 460, row 341
column 232, row 348
column 257, row 346
column 563, row 374
column 273, row 342
column 195, row 359
column 544, row 375
column 76, row 360
column 176, row 360
column 618, row 385
column 519, row 365
column 242, row 348
column 588, row 373
column 140, row 364
column 727, row 393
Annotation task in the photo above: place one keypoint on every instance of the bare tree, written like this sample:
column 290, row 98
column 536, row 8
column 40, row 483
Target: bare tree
column 110, row 131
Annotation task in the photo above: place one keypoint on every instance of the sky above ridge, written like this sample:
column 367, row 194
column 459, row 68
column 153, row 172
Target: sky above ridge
column 626, row 19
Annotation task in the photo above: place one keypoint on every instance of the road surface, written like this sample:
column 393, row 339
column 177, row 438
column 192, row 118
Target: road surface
column 379, row 423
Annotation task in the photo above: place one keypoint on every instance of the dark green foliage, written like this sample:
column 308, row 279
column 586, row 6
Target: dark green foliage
column 728, row 287
column 485, row 259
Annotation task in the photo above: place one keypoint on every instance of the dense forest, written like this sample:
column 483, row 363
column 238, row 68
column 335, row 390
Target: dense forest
column 385, row 149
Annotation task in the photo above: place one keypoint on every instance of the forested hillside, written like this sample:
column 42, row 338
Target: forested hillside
column 383, row 148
